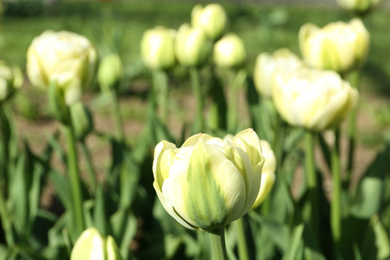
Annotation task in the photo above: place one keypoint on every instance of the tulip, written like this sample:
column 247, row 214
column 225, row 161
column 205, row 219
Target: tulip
column 64, row 58
column 268, row 173
column 11, row 79
column 110, row 72
column 359, row 6
column 338, row 46
column 92, row 246
column 229, row 51
column 267, row 65
column 313, row 99
column 192, row 46
column 157, row 48
column 212, row 19
column 208, row 182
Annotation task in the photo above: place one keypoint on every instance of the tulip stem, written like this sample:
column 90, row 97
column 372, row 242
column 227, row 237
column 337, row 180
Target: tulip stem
column 335, row 203
column 74, row 177
column 195, row 82
column 311, row 181
column 91, row 171
column 117, row 116
column 218, row 245
column 242, row 248
column 354, row 81
column 236, row 82
column 160, row 84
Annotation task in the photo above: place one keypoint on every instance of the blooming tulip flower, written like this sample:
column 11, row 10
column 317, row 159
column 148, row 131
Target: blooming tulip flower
column 268, row 173
column 314, row 99
column 66, row 58
column 267, row 65
column 229, row 51
column 157, row 48
column 192, row 46
column 212, row 19
column 11, row 79
column 338, row 46
column 92, row 246
column 208, row 182
column 359, row 6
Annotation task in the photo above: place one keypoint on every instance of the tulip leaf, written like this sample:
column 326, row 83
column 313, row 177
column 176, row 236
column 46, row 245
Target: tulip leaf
column 99, row 214
column 369, row 194
column 62, row 188
column 18, row 196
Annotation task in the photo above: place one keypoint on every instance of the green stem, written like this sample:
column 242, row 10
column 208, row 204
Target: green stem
column 195, row 82
column 218, row 245
column 242, row 247
column 236, row 82
column 75, row 182
column 354, row 81
column 311, row 181
column 117, row 116
column 91, row 170
column 160, row 84
column 335, row 202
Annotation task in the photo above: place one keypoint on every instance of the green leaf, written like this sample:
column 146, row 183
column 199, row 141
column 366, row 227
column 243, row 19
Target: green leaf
column 296, row 243
column 100, row 219
column 369, row 195
column 382, row 240
column 62, row 187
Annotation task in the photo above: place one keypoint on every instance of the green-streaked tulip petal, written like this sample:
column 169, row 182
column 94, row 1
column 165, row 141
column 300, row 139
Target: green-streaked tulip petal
column 253, row 142
column 213, row 180
column 159, row 150
column 267, row 182
column 168, row 206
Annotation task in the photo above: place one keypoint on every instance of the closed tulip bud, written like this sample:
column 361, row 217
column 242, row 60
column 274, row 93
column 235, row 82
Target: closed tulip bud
column 268, row 173
column 92, row 246
column 110, row 72
column 212, row 19
column 192, row 46
column 157, row 48
column 313, row 99
column 81, row 120
column 229, row 51
column 66, row 58
column 358, row 6
column 11, row 79
column 338, row 46
column 268, row 65
column 208, row 182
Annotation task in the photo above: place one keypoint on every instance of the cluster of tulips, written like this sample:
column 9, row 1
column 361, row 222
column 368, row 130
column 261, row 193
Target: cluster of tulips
column 216, row 176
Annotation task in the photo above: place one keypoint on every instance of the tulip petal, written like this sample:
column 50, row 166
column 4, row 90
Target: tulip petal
column 213, row 180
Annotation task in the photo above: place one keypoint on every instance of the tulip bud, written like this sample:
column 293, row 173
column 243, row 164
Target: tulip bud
column 229, row 51
column 157, row 48
column 212, row 19
column 81, row 120
column 91, row 246
column 314, row 99
column 208, row 182
column 267, row 66
column 110, row 72
column 268, row 173
column 192, row 46
column 11, row 79
column 66, row 58
column 359, row 6
column 338, row 46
